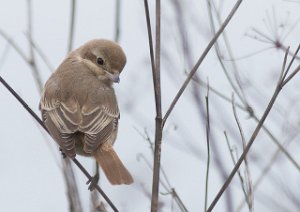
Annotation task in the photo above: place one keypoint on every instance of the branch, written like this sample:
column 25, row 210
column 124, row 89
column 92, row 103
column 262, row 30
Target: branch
column 31, row 59
column 72, row 24
column 117, row 21
column 158, row 119
column 207, row 146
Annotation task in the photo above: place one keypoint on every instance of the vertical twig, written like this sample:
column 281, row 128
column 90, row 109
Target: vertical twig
column 72, row 26
column 158, row 119
column 208, row 147
column 238, row 89
column 149, row 30
column 249, row 194
column 117, row 21
column 73, row 194
column 234, row 162
column 31, row 59
column 70, row 180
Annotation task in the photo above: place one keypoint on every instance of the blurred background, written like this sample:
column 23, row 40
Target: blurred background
column 242, row 70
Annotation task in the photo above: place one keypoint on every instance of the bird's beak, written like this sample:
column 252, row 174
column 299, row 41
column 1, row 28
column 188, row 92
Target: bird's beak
column 114, row 77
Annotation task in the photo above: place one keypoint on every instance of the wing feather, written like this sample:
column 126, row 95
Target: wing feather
column 82, row 104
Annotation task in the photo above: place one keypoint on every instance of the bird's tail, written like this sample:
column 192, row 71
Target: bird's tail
column 112, row 166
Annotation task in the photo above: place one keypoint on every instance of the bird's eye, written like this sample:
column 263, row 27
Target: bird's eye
column 100, row 61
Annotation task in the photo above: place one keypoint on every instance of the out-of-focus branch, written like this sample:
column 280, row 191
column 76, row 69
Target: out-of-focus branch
column 281, row 83
column 166, row 185
column 200, row 60
column 72, row 189
column 31, row 60
column 41, row 54
column 73, row 194
column 249, row 194
column 238, row 89
column 72, row 26
column 158, row 119
column 208, row 148
column 117, row 21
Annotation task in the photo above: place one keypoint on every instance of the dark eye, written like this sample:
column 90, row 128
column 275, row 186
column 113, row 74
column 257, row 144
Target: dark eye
column 100, row 61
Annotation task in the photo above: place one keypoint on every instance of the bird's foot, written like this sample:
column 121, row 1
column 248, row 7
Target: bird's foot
column 93, row 182
column 62, row 152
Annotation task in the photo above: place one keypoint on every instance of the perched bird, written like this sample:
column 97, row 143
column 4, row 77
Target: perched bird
column 79, row 105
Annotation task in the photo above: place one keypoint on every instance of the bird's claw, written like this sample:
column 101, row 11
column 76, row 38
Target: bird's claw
column 62, row 152
column 93, row 182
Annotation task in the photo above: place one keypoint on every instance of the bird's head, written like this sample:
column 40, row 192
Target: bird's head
column 104, row 58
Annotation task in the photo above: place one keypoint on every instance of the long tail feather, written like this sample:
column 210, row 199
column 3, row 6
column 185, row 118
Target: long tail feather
column 112, row 166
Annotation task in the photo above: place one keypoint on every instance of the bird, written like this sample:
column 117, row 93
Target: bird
column 79, row 106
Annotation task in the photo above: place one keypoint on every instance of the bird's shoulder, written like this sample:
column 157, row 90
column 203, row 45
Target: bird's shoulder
column 74, row 86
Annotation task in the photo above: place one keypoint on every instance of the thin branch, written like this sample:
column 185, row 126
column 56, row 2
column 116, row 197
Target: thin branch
column 31, row 60
column 72, row 190
column 33, row 114
column 208, row 148
column 14, row 45
column 117, row 20
column 149, row 30
column 158, row 119
column 238, row 89
column 195, row 68
column 234, row 163
column 249, row 194
column 41, row 54
column 4, row 54
column 72, row 24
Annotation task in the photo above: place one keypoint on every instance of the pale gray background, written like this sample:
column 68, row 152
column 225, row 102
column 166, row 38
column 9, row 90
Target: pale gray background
column 31, row 178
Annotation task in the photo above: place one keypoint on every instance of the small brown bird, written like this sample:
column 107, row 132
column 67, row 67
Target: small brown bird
column 79, row 105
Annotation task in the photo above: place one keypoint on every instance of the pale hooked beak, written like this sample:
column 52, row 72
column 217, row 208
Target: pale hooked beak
column 114, row 77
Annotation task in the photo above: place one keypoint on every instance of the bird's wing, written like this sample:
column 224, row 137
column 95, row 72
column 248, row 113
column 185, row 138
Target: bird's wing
column 100, row 117
column 60, row 117
column 79, row 102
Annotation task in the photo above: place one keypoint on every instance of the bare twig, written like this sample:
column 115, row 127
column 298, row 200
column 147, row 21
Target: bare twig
column 33, row 114
column 41, row 54
column 31, row 59
column 231, row 149
column 200, row 60
column 14, row 45
column 4, row 54
column 279, row 87
column 72, row 190
column 150, row 40
column 238, row 89
column 158, row 119
column 117, row 20
column 249, row 194
column 72, row 25
column 208, row 147
column 71, row 184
